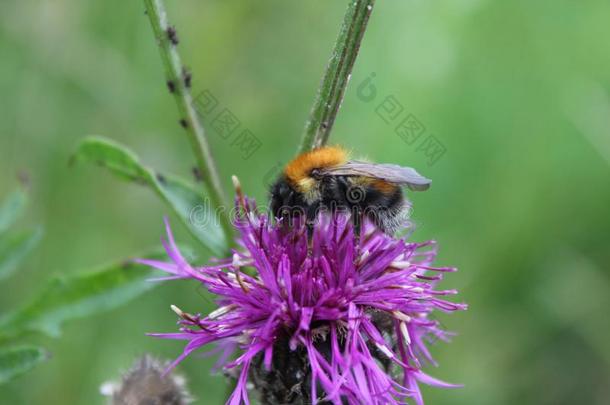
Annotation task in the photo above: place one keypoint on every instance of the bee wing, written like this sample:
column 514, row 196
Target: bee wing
column 385, row 171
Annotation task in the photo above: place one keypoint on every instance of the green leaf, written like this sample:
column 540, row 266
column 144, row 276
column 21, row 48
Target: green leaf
column 195, row 212
column 18, row 360
column 11, row 208
column 78, row 296
column 14, row 248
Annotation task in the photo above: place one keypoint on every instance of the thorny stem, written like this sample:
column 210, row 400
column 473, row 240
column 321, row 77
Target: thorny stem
column 337, row 75
column 178, row 83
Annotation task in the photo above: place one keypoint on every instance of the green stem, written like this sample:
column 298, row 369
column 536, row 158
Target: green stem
column 337, row 75
column 178, row 82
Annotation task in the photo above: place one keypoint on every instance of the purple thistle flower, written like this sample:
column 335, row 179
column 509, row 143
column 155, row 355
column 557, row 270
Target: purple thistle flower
column 331, row 326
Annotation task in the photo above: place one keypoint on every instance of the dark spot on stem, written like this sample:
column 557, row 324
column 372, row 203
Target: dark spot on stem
column 171, row 86
column 160, row 178
column 140, row 180
column 187, row 77
column 183, row 123
column 172, row 35
column 197, row 174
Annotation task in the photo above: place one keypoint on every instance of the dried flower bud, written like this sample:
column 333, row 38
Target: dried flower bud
column 145, row 384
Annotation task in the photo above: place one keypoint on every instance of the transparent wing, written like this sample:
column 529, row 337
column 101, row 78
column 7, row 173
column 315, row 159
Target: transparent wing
column 384, row 171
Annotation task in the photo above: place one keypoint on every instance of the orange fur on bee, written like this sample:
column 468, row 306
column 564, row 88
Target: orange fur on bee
column 384, row 186
column 380, row 185
column 298, row 170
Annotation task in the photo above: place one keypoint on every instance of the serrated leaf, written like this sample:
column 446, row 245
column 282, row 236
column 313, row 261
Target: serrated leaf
column 18, row 360
column 196, row 213
column 15, row 247
column 11, row 208
column 77, row 296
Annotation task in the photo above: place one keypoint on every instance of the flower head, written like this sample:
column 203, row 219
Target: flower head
column 340, row 322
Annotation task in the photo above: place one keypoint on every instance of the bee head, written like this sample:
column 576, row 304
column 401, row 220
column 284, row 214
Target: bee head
column 304, row 171
column 299, row 185
column 284, row 198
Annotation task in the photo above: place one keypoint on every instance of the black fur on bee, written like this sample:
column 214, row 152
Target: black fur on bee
column 387, row 210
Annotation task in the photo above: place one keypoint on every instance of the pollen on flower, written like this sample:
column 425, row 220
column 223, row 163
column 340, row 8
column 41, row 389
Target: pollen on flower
column 177, row 310
column 221, row 311
column 403, row 317
column 317, row 326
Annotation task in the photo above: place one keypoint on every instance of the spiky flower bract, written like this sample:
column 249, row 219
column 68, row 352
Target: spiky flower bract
column 340, row 323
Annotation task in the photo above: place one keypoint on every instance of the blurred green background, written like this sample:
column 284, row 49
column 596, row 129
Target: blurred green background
column 518, row 93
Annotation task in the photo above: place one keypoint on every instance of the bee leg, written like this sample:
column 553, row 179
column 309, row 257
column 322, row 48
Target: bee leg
column 285, row 220
column 309, row 239
column 309, row 224
column 357, row 217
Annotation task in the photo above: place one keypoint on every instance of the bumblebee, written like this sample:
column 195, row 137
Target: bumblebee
column 325, row 178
